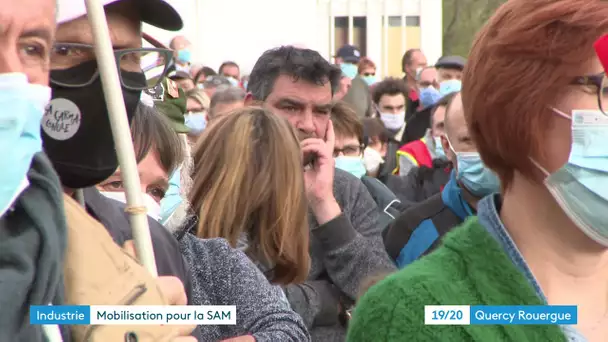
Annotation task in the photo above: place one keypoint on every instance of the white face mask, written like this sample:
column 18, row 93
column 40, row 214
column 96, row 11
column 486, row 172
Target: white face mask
column 372, row 159
column 393, row 122
column 151, row 205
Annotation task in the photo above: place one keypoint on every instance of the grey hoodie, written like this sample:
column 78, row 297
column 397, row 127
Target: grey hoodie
column 32, row 249
column 225, row 276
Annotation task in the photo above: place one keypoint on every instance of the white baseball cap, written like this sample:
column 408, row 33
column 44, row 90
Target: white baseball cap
column 157, row 13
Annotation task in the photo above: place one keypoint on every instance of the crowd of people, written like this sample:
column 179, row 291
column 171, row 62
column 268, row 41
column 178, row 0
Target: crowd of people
column 326, row 203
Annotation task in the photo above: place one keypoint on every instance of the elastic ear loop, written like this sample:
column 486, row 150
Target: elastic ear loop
column 540, row 168
column 450, row 144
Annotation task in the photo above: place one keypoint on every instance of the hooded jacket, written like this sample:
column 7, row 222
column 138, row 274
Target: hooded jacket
column 32, row 248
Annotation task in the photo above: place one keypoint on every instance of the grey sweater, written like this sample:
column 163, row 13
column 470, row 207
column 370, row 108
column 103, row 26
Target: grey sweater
column 344, row 252
column 225, row 276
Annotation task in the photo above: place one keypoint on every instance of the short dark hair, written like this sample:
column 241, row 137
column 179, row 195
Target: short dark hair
column 407, row 58
column 227, row 63
column 150, row 129
column 374, row 131
column 346, row 122
column 207, row 71
column 389, row 86
column 304, row 64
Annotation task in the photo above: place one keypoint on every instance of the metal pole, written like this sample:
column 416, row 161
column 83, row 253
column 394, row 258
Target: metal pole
column 112, row 90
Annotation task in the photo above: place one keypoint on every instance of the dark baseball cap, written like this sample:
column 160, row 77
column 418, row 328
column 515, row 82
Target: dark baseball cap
column 157, row 13
column 451, row 62
column 349, row 54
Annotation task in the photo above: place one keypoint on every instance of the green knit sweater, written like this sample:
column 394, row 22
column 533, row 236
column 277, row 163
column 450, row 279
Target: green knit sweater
column 470, row 268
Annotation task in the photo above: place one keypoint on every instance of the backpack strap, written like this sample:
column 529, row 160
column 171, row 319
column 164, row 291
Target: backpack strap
column 400, row 231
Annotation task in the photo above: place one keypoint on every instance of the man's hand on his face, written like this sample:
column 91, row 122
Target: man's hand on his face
column 319, row 177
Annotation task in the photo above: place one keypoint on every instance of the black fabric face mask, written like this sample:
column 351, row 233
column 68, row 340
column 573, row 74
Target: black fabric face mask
column 77, row 135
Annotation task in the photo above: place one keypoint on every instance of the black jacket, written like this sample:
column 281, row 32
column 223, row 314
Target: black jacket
column 420, row 183
column 417, row 125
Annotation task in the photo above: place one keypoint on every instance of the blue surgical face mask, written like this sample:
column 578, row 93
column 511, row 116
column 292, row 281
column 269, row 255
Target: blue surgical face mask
column 233, row 81
column 439, row 152
column 352, row 165
column 184, row 55
column 21, row 108
column 474, row 175
column 449, row 86
column 197, row 122
column 429, row 96
column 580, row 187
column 349, row 70
column 245, row 84
column 370, row 80
column 172, row 198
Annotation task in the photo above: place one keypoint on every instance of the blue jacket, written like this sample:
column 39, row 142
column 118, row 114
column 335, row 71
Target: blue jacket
column 418, row 230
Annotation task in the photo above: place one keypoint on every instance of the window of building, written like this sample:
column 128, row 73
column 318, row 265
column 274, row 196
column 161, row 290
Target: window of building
column 359, row 32
column 410, row 21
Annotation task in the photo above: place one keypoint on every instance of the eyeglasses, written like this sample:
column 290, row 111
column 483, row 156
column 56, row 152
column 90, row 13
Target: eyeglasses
column 349, row 151
column 600, row 82
column 367, row 74
column 151, row 63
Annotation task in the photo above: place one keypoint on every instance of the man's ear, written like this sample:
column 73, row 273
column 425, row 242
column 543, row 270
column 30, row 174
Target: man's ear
column 249, row 100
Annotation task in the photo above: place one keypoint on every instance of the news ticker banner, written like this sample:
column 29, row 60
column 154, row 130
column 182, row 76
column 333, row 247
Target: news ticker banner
column 133, row 315
column 500, row 314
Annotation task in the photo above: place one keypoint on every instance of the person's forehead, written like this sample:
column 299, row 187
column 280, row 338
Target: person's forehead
column 124, row 27
column 392, row 99
column 418, row 57
column 302, row 91
column 439, row 115
column 343, row 140
column 455, row 116
column 32, row 15
column 428, row 73
column 230, row 69
column 151, row 169
column 449, row 70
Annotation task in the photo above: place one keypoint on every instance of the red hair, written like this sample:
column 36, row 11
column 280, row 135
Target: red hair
column 521, row 60
column 365, row 63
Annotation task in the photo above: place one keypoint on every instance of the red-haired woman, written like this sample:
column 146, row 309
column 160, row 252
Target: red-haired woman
column 533, row 93
column 367, row 70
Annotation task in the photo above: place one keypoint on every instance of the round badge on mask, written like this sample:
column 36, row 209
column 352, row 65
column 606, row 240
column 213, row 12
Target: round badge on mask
column 61, row 119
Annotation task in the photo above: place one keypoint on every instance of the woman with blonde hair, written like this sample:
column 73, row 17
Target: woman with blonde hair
column 243, row 192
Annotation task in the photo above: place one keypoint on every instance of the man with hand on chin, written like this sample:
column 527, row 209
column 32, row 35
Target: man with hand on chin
column 346, row 244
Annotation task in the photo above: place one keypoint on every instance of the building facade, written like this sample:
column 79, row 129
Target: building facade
column 240, row 30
